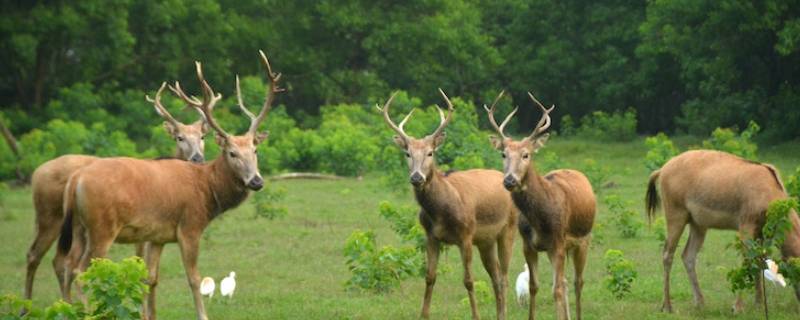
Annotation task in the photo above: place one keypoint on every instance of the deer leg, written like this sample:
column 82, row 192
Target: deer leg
column 489, row 259
column 505, row 246
column 579, row 255
column 532, row 259
column 747, row 231
column 466, row 260
column 676, row 222
column 190, row 249
column 153, row 257
column 66, row 265
column 96, row 247
column 142, row 248
column 47, row 231
column 557, row 257
column 432, row 248
column 696, row 237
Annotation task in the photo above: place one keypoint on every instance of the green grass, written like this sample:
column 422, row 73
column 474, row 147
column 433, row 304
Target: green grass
column 293, row 268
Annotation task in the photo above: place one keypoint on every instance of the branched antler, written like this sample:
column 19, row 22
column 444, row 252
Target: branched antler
column 490, row 111
column 544, row 122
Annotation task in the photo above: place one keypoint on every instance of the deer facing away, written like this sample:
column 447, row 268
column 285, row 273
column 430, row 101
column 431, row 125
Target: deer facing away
column 466, row 209
column 557, row 210
column 165, row 201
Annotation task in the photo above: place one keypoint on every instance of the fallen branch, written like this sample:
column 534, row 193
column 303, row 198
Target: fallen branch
column 305, row 175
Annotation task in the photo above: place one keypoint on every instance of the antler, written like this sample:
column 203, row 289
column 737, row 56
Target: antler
column 491, row 110
column 159, row 107
column 544, row 122
column 274, row 89
column 443, row 120
column 209, row 100
column 396, row 128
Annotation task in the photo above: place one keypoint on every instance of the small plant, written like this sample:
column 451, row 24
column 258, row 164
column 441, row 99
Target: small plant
column 725, row 139
column 660, row 150
column 267, row 203
column 625, row 219
column 404, row 223
column 793, row 184
column 378, row 270
column 115, row 290
column 620, row 273
column 598, row 175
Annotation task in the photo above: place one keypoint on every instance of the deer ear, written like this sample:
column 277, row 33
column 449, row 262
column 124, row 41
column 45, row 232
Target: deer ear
column 496, row 142
column 171, row 129
column 204, row 127
column 438, row 140
column 400, row 142
column 260, row 137
column 540, row 141
column 220, row 140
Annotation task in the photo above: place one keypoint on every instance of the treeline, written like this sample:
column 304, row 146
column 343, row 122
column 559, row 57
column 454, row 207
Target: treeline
column 687, row 66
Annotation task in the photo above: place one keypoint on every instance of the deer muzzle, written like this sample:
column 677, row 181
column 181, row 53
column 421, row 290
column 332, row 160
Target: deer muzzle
column 256, row 183
column 417, row 178
column 509, row 182
column 197, row 158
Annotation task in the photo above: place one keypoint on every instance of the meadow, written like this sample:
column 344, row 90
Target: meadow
column 293, row 267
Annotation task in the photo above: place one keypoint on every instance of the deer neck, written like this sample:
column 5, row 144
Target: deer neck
column 536, row 200
column 437, row 195
column 791, row 246
column 226, row 190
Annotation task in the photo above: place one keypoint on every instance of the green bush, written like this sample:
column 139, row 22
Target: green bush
column 374, row 269
column 793, row 184
column 404, row 223
column 299, row 150
column 347, row 149
column 567, row 126
column 57, row 138
column 599, row 125
column 725, row 139
column 620, row 273
column 626, row 220
column 115, row 290
column 266, row 202
column 660, row 150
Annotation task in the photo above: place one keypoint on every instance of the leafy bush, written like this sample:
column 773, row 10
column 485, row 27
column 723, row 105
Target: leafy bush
column 660, row 150
column 599, row 125
column 626, row 220
column 405, row 224
column 347, row 149
column 793, row 183
column 598, row 175
column 620, row 273
column 377, row 269
column 754, row 252
column 567, row 126
column 266, row 202
column 725, row 139
column 115, row 290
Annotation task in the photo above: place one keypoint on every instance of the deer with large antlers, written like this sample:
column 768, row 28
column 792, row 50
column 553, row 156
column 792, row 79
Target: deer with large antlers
column 166, row 201
column 466, row 209
column 708, row 189
column 557, row 209
column 49, row 179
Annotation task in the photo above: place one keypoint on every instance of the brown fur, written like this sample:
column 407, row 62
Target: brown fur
column 463, row 208
column 714, row 190
column 48, row 182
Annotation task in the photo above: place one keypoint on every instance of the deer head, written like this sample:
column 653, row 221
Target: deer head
column 189, row 138
column 239, row 152
column 518, row 155
column 419, row 152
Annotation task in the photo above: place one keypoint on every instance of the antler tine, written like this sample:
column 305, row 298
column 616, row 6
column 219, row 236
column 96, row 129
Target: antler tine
column 160, row 108
column 544, row 122
column 209, row 100
column 443, row 120
column 388, row 120
column 241, row 102
column 490, row 111
column 274, row 89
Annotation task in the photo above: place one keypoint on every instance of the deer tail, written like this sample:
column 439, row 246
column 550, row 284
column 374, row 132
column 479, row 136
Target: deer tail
column 652, row 201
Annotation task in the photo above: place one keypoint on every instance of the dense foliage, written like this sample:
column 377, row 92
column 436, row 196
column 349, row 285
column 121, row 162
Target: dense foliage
column 620, row 273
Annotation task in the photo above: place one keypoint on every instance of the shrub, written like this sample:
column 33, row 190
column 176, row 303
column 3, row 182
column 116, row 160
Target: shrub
column 725, row 139
column 620, row 273
column 347, row 149
column 625, row 219
column 57, row 138
column 378, row 270
column 599, row 125
column 660, row 150
column 405, row 224
column 266, row 202
column 115, row 290
column 567, row 126
column 598, row 175
column 793, row 183
column 299, row 150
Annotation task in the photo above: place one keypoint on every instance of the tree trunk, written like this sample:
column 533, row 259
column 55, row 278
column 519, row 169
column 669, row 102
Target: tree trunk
column 12, row 144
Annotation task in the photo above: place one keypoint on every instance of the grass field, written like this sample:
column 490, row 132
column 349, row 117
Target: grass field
column 293, row 267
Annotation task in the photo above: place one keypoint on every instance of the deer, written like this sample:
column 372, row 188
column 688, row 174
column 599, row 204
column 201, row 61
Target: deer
column 463, row 208
column 49, row 179
column 557, row 210
column 708, row 189
column 165, row 201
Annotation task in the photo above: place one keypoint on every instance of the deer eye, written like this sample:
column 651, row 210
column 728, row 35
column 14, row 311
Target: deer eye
column 430, row 154
column 503, row 154
column 408, row 155
column 232, row 154
column 526, row 156
column 180, row 139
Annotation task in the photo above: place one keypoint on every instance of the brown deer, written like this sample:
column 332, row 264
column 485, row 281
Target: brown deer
column 463, row 208
column 49, row 179
column 714, row 190
column 165, row 201
column 557, row 210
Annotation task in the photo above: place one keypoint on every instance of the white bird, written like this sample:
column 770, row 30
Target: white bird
column 207, row 287
column 228, row 285
column 523, row 280
column 772, row 274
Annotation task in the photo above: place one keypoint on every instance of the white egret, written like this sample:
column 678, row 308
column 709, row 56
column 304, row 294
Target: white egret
column 228, row 285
